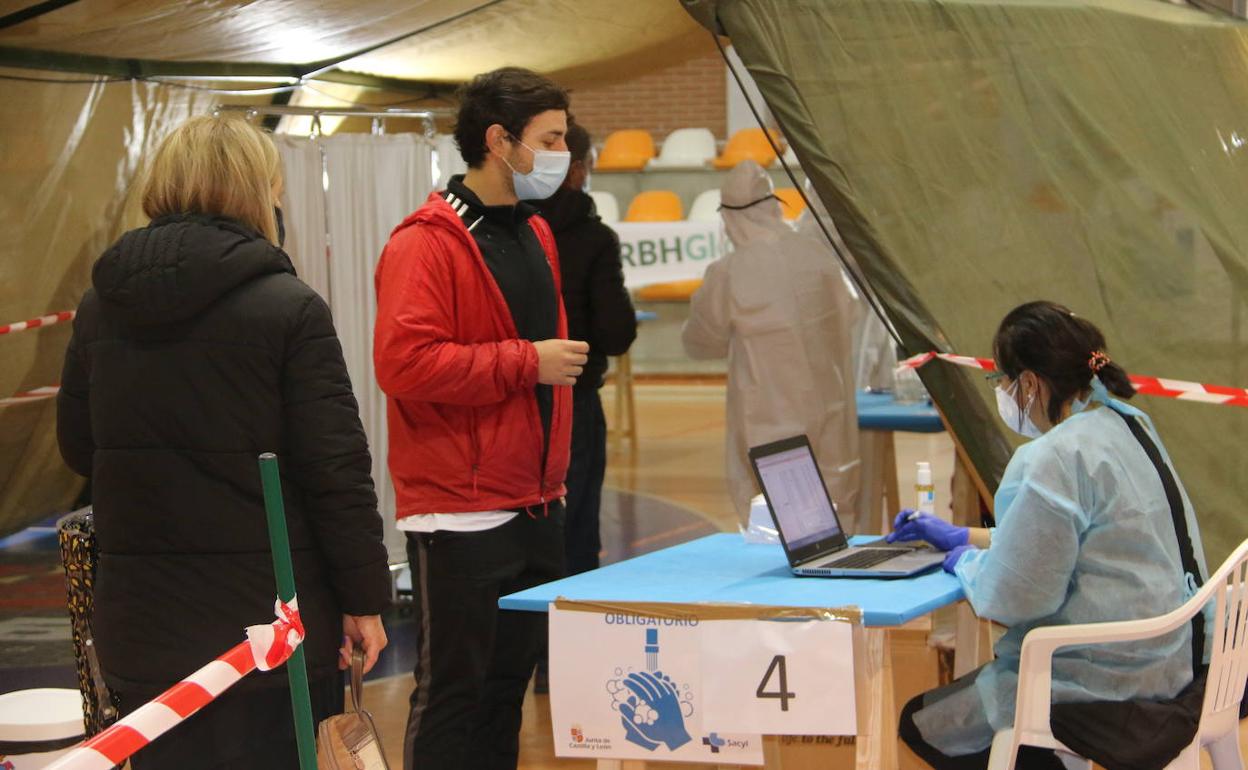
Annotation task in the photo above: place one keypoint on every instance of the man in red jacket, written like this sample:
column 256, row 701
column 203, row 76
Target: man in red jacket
column 471, row 348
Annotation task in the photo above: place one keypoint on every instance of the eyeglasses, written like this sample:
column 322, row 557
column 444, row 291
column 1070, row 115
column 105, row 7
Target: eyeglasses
column 995, row 377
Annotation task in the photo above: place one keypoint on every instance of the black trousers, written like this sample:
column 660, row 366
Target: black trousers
column 1029, row 757
column 586, row 471
column 473, row 660
column 250, row 729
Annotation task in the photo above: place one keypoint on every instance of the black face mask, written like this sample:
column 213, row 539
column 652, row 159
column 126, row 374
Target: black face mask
column 281, row 226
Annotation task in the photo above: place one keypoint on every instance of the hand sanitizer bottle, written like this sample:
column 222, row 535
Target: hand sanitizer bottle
column 924, row 490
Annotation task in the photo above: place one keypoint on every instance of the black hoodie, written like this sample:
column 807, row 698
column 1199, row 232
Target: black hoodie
column 599, row 308
column 197, row 350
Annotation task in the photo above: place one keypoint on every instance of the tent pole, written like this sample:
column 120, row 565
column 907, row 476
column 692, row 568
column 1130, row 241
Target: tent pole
column 425, row 116
column 33, row 12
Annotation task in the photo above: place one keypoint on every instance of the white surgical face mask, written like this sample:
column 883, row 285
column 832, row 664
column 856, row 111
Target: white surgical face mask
column 1017, row 420
column 1098, row 394
column 549, row 170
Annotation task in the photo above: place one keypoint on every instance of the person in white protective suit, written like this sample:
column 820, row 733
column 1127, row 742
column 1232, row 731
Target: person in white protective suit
column 875, row 355
column 777, row 307
column 1086, row 533
column 874, row 359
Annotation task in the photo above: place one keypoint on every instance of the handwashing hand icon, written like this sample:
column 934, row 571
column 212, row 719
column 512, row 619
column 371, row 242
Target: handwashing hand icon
column 653, row 712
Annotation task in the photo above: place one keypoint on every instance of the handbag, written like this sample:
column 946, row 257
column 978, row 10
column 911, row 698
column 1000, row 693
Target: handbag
column 79, row 556
column 1142, row 734
column 349, row 741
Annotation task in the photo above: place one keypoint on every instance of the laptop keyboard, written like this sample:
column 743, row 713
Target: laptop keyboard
column 868, row 557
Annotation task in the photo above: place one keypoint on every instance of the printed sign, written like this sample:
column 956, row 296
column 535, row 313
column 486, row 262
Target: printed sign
column 780, row 677
column 626, row 686
column 658, row 252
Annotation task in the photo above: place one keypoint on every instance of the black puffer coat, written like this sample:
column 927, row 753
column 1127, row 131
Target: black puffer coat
column 599, row 309
column 197, row 350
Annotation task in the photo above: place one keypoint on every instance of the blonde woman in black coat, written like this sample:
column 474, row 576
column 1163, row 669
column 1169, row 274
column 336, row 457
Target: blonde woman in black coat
column 195, row 350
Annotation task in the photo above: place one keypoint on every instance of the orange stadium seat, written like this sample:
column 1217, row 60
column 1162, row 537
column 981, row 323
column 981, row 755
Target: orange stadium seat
column 673, row 291
column 627, row 150
column 791, row 202
column 748, row 144
column 655, row 206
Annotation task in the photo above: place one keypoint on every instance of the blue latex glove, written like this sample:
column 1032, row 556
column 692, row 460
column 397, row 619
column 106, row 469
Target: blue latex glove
column 941, row 534
column 951, row 560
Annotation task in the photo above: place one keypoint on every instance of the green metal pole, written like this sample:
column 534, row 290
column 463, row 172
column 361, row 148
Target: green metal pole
column 296, row 668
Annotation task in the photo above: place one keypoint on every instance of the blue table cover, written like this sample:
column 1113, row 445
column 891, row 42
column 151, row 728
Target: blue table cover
column 724, row 568
column 878, row 411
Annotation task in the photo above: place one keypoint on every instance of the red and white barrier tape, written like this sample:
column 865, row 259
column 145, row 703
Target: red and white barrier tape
column 1151, row 386
column 31, row 395
column 914, row 362
column 35, row 323
column 267, row 647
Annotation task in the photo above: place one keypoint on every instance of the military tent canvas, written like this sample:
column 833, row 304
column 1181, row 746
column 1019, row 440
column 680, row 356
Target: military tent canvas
column 977, row 154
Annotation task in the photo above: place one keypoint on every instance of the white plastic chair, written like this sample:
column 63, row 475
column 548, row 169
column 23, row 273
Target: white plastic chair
column 790, row 158
column 1219, row 717
column 607, row 206
column 685, row 148
column 705, row 207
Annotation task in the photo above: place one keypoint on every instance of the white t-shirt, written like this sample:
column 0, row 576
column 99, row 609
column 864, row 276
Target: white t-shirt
column 455, row 522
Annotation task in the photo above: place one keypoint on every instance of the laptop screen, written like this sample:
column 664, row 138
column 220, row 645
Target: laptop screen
column 795, row 490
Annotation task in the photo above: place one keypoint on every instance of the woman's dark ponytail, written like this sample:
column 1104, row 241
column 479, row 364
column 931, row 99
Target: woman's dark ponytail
column 1115, row 380
column 1064, row 349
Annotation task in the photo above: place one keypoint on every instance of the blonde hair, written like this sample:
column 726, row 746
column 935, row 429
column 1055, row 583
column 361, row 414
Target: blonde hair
column 221, row 166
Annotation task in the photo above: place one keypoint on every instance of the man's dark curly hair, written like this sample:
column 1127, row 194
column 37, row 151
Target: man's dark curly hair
column 509, row 96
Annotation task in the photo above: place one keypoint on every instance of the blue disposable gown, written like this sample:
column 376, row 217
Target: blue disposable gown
column 1084, row 534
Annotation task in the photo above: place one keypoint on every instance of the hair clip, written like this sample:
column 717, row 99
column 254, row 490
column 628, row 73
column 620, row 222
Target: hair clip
column 1098, row 361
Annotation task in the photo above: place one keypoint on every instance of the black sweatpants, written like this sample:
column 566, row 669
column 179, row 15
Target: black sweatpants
column 473, row 660
column 1029, row 757
column 586, row 471
column 247, row 729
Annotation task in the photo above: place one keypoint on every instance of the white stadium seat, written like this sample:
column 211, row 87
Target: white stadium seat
column 685, row 148
column 705, row 207
column 607, row 206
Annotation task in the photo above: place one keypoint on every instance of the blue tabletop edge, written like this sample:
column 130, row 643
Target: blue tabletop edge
column 939, row 589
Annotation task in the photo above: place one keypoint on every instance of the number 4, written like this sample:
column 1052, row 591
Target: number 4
column 783, row 693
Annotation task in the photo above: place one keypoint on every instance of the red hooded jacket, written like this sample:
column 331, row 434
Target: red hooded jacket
column 465, row 431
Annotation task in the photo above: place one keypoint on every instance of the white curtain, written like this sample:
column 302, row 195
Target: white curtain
column 369, row 184
column 303, row 209
column 449, row 161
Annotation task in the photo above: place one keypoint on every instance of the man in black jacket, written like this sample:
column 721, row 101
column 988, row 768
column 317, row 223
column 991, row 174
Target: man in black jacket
column 600, row 312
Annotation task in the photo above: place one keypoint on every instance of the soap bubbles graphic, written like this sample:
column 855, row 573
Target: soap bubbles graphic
column 643, row 713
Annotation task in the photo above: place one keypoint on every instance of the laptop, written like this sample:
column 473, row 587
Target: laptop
column 809, row 528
